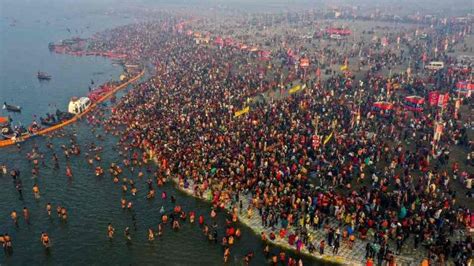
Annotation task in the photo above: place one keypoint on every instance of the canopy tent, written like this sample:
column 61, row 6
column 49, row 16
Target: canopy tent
column 338, row 31
column 219, row 41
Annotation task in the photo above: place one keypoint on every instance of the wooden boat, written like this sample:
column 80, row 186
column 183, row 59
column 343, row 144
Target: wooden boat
column 48, row 121
column 63, row 115
column 43, row 76
column 11, row 108
column 5, row 129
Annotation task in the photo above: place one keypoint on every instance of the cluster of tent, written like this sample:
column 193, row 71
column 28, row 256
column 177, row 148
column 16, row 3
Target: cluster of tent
column 435, row 98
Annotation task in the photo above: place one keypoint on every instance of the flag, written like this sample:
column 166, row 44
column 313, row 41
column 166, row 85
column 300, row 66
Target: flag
column 241, row 112
column 296, row 88
column 328, row 138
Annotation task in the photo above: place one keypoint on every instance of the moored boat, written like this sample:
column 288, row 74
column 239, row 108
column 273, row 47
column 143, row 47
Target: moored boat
column 63, row 115
column 5, row 129
column 11, row 108
column 43, row 76
column 78, row 105
column 50, row 120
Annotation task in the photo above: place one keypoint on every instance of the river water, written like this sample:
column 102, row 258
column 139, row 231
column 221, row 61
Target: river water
column 26, row 28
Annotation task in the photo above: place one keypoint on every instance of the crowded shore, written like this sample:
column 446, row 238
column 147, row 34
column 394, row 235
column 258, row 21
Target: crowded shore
column 343, row 141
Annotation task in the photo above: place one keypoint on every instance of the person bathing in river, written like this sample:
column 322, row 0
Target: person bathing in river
column 160, row 229
column 7, row 243
column 151, row 234
column 63, row 214
column 45, row 240
column 176, row 225
column 205, row 230
column 68, row 171
column 99, row 171
column 48, row 209
column 128, row 237
column 14, row 217
column 19, row 188
column 26, row 215
column 110, row 231
column 151, row 194
column 55, row 161
column 123, row 203
column 226, row 254
column 36, row 191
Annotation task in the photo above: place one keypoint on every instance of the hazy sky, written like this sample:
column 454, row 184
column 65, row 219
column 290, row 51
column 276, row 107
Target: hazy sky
column 442, row 7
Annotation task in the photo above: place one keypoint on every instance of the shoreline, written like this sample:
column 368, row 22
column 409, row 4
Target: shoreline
column 258, row 229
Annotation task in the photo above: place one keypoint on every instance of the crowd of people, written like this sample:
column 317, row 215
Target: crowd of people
column 303, row 160
column 322, row 158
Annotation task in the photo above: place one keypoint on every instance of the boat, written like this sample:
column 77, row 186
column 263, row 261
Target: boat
column 43, row 76
column 7, row 132
column 78, row 105
column 63, row 115
column 11, row 108
column 50, row 120
column 5, row 128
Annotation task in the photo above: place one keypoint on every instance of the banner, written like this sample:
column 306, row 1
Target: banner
column 241, row 112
